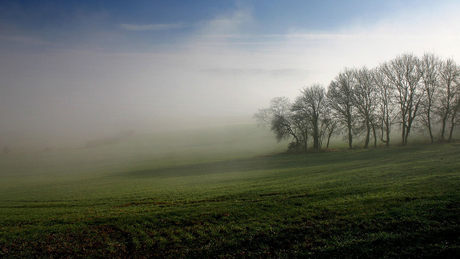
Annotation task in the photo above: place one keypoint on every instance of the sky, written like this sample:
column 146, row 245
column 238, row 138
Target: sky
column 77, row 69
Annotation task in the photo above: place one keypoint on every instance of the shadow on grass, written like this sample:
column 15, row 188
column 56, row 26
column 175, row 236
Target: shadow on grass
column 281, row 162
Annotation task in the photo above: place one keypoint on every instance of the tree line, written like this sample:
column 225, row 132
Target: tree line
column 407, row 93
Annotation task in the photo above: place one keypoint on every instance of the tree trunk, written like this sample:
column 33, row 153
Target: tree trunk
column 315, row 137
column 368, row 133
column 385, row 130
column 452, row 123
column 329, row 135
column 403, row 140
column 388, row 137
column 407, row 135
column 429, row 122
column 403, row 132
column 374, row 132
column 443, row 126
column 350, row 133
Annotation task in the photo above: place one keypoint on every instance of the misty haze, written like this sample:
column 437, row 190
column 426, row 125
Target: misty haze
column 237, row 129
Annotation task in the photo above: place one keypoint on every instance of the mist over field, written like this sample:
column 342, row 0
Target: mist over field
column 99, row 71
column 229, row 129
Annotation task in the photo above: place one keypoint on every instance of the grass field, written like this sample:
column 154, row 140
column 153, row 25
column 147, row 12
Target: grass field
column 206, row 195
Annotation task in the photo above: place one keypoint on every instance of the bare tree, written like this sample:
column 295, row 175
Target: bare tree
column 283, row 128
column 430, row 66
column 329, row 125
column 386, row 105
column 283, row 122
column 365, row 101
column 340, row 100
column 454, row 121
column 278, row 106
column 449, row 98
column 311, row 105
column 411, row 92
column 303, row 128
column 404, row 74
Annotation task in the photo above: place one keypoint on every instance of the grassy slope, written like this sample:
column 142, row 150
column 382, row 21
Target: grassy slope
column 397, row 202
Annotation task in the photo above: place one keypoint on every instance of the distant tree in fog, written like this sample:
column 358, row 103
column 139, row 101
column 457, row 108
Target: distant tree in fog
column 281, row 120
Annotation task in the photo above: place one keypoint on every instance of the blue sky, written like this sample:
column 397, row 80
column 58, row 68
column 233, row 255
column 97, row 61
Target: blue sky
column 143, row 25
column 75, row 68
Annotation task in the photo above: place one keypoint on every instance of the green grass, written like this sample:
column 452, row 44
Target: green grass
column 400, row 202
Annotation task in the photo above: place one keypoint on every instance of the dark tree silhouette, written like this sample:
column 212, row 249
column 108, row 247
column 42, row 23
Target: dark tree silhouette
column 404, row 74
column 449, row 98
column 430, row 68
column 414, row 93
column 341, row 97
column 386, row 105
column 311, row 105
column 365, row 100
